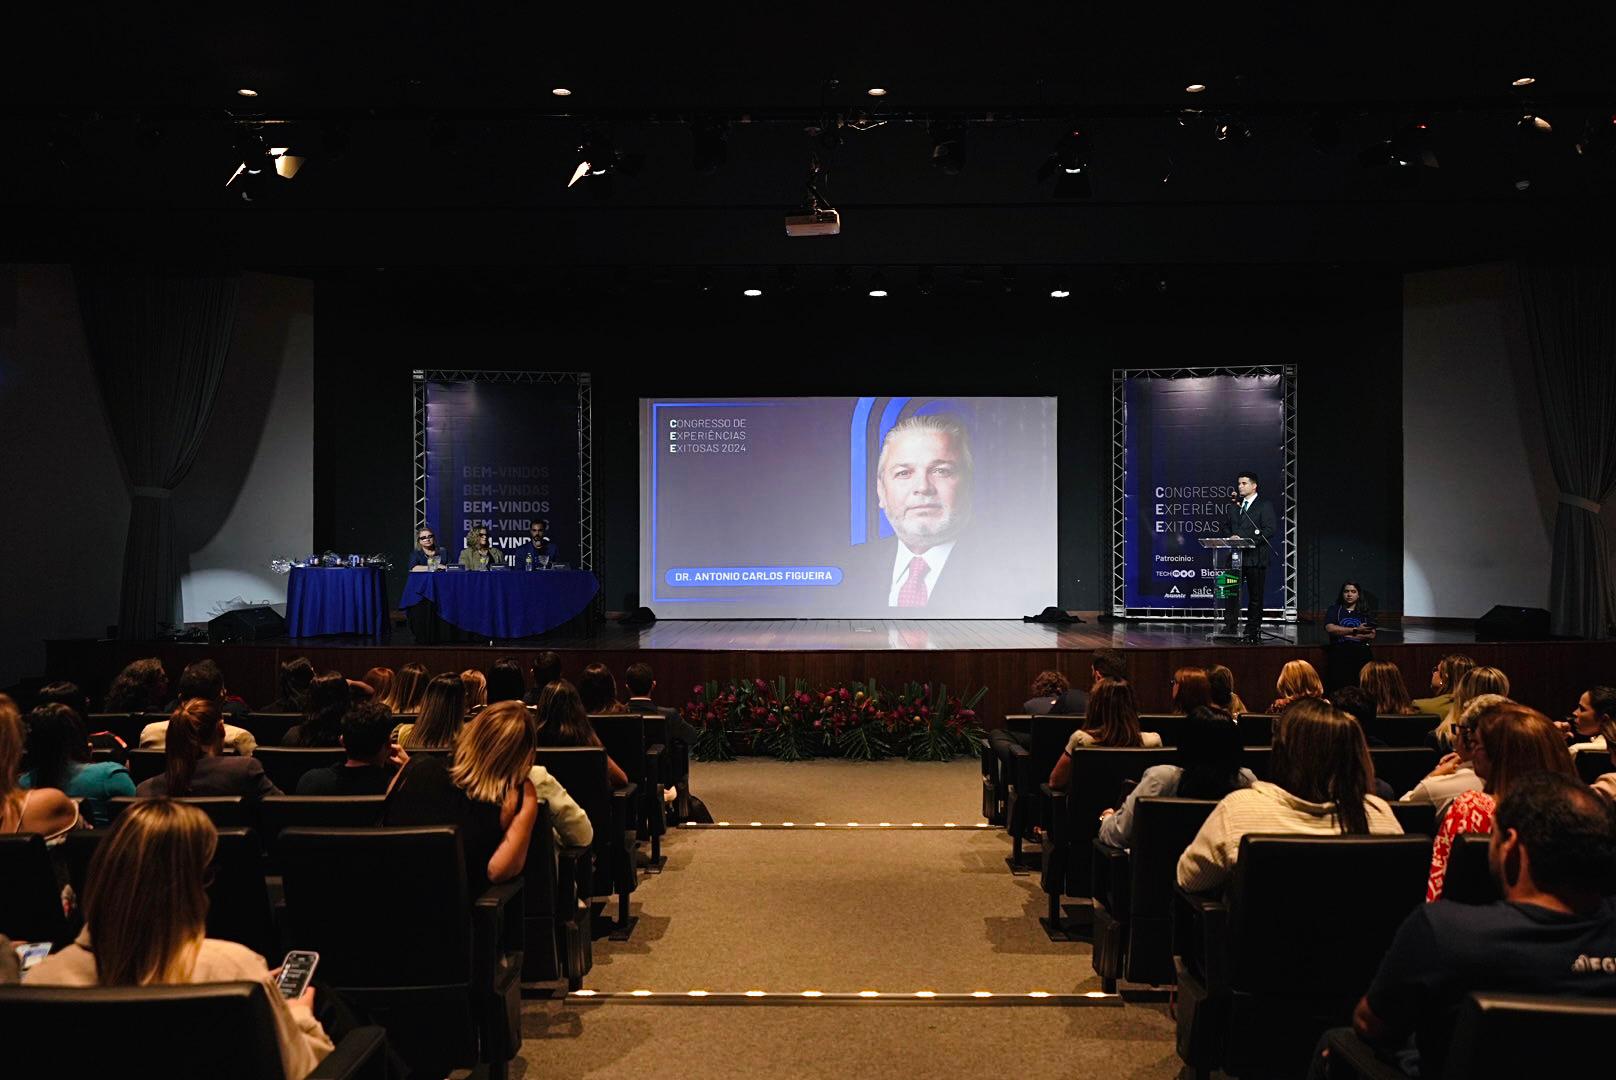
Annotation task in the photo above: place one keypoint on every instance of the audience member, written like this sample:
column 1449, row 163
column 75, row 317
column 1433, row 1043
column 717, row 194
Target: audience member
column 1357, row 703
column 1605, row 784
column 1208, row 767
column 372, row 758
column 409, row 687
column 443, row 711
column 1321, row 781
column 296, row 675
column 1384, row 681
column 1594, row 710
column 59, row 757
column 1297, row 680
column 546, row 670
column 563, row 721
column 1190, row 690
column 145, row 923
column 1510, row 741
column 640, row 683
column 1554, row 931
column 1108, row 664
column 598, row 689
column 1112, row 720
column 505, row 682
column 1350, row 625
column 487, row 793
column 197, row 764
column 202, row 679
column 1475, row 682
column 1445, row 677
column 45, row 810
column 142, row 686
column 1456, row 772
column 64, row 693
column 1052, row 693
column 380, row 681
column 324, row 704
column 1221, row 681
column 476, row 684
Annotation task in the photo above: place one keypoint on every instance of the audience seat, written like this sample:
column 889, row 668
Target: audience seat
column 238, row 897
column 1256, row 729
column 581, row 771
column 1306, row 920
column 1592, row 764
column 623, row 735
column 277, row 812
column 126, row 726
column 1404, row 731
column 1402, row 766
column 269, row 728
column 672, row 762
column 1416, row 817
column 1133, row 892
column 1030, row 767
column 30, row 896
column 1498, row 1037
column 225, row 811
column 285, row 765
column 198, row 1032
column 399, row 937
column 557, row 940
column 1470, row 876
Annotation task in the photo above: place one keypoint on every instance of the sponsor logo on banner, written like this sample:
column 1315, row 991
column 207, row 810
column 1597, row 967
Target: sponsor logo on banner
column 1209, row 573
column 1203, row 593
column 1174, row 592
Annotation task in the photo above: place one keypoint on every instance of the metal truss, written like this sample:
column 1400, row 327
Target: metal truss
column 586, row 484
column 1119, row 428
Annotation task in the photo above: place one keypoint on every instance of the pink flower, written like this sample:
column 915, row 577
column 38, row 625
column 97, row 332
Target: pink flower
column 697, row 690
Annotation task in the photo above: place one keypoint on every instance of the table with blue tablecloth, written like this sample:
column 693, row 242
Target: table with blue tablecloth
column 498, row 604
column 322, row 600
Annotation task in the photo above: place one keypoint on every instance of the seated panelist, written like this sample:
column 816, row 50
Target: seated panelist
column 427, row 555
column 538, row 551
column 479, row 552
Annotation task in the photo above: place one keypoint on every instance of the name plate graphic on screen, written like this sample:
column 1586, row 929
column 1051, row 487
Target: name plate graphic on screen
column 1186, row 439
column 847, row 507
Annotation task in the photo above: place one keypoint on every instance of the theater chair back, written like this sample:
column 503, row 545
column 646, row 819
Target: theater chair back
column 1415, row 817
column 1404, row 731
column 1514, row 1035
column 277, row 812
column 1470, row 877
column 1256, row 729
column 225, row 811
column 1402, row 766
column 30, row 898
column 581, row 770
column 1098, row 774
column 285, row 765
column 623, row 735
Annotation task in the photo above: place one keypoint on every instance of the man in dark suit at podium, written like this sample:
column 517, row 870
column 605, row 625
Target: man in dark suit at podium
column 1251, row 516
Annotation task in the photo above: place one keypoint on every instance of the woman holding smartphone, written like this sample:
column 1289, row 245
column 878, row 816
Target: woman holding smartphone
column 145, row 913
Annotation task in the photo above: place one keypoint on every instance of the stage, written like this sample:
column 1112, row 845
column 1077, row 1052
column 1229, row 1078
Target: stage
column 1002, row 655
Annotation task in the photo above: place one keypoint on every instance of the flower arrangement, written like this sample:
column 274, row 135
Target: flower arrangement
column 859, row 720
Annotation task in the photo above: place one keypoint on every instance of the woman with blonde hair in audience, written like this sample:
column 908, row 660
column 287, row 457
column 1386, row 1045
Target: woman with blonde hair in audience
column 486, row 792
column 1221, row 681
column 1474, row 683
column 1384, row 680
column 409, row 687
column 142, row 686
column 563, row 721
column 380, row 681
column 443, row 712
column 1510, row 741
column 196, row 762
column 1321, row 783
column 1445, row 676
column 1297, row 680
column 476, row 684
column 145, row 924
column 46, row 810
column 1112, row 720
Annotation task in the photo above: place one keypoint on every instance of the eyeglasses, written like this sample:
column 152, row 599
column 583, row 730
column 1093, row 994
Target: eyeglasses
column 426, row 536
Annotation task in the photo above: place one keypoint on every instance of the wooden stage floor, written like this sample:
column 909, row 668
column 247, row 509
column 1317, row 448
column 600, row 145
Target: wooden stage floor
column 1001, row 655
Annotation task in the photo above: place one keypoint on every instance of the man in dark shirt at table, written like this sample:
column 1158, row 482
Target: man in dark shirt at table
column 372, row 759
column 1554, row 932
column 538, row 547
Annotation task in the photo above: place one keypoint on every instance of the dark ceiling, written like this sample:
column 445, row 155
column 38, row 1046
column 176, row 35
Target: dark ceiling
column 432, row 138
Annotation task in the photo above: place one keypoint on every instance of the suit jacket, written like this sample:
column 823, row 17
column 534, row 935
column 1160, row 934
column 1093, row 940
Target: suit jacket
column 678, row 726
column 1260, row 518
column 1074, row 702
column 972, row 572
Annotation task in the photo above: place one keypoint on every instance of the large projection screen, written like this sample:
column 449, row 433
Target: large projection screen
column 785, row 507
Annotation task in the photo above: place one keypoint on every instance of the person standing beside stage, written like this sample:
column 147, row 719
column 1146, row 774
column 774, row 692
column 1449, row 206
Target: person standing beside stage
column 538, row 550
column 479, row 552
column 1351, row 627
column 427, row 553
column 1250, row 516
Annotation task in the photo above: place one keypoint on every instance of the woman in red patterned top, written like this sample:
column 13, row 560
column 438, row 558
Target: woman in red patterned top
column 1508, row 741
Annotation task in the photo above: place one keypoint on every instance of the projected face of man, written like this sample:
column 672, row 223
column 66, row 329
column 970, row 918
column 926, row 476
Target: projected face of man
column 923, row 487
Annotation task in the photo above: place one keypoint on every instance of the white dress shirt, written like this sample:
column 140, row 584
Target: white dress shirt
column 935, row 558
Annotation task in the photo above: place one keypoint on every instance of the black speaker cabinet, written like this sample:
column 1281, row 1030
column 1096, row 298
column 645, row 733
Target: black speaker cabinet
column 245, row 624
column 1504, row 623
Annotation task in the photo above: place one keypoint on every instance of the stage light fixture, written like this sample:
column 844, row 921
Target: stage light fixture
column 258, row 164
column 1060, row 294
column 599, row 162
column 561, row 91
column 752, row 292
column 878, row 289
column 869, row 993
column 1531, row 123
column 247, row 92
column 947, row 146
column 1069, row 165
column 1523, row 82
column 1195, row 88
column 1230, row 129
column 877, row 91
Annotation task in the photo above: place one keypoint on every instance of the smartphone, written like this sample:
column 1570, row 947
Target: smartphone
column 31, row 953
column 296, row 971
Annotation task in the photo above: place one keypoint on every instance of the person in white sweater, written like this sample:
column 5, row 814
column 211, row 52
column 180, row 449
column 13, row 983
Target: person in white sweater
column 1321, row 782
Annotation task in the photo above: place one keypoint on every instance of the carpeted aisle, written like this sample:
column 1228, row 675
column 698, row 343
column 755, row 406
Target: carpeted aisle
column 894, row 909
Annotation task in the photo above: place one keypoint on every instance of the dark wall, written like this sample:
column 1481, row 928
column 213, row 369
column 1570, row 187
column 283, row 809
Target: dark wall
column 1343, row 332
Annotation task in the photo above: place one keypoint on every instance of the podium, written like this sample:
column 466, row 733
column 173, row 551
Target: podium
column 1228, row 555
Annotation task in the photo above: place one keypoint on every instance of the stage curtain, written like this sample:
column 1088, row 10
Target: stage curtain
column 1571, row 324
column 158, row 343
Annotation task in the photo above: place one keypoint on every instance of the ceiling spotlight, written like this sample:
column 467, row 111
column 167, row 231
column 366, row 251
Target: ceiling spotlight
column 599, row 161
column 1069, row 165
column 1529, row 122
column 751, row 292
column 561, row 91
column 258, row 164
column 1059, row 294
column 1523, row 82
column 878, row 285
column 246, row 92
column 948, row 146
column 1230, row 129
column 877, row 91
column 1195, row 88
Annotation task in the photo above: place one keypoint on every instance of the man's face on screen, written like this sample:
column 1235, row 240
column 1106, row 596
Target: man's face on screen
column 923, row 488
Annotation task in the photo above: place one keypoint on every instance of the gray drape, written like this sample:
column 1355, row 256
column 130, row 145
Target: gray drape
column 158, row 344
column 1571, row 324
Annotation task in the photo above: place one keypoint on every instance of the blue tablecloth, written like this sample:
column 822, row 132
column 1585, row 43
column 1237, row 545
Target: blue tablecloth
column 503, row 603
column 324, row 600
